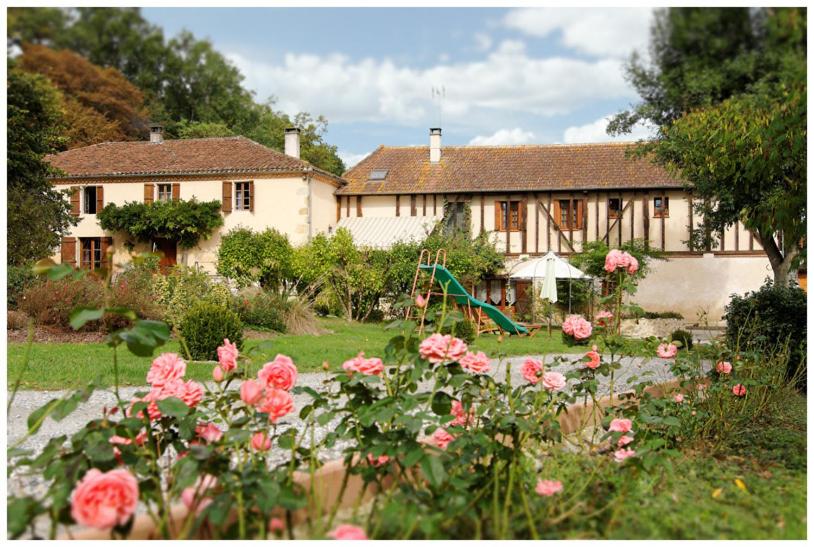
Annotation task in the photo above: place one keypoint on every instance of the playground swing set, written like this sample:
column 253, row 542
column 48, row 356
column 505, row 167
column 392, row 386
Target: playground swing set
column 486, row 317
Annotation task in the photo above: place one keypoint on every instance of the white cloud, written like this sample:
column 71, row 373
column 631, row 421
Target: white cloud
column 597, row 132
column 596, row 31
column 480, row 94
column 350, row 159
column 483, row 41
column 504, row 136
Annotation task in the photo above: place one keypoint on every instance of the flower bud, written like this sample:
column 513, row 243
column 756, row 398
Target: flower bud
column 217, row 374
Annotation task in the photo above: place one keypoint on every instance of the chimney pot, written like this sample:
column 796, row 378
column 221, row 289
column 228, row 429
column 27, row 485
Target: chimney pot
column 292, row 142
column 156, row 133
column 435, row 144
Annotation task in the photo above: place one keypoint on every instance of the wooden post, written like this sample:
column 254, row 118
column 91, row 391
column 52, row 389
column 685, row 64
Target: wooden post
column 536, row 225
column 424, row 205
column 584, row 220
column 413, row 206
column 596, row 216
column 737, row 235
column 358, row 206
column 398, row 205
column 663, row 223
column 347, row 206
column 621, row 217
column 632, row 215
column 607, row 219
column 646, row 215
column 482, row 213
column 548, row 226
column 524, row 223
column 690, row 225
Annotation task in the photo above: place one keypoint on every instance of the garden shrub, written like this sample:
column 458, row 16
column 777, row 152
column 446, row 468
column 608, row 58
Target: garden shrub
column 300, row 317
column 249, row 257
column 18, row 279
column 205, row 326
column 769, row 317
column 262, row 309
column 683, row 336
column 16, row 320
column 134, row 289
column 51, row 302
column 183, row 287
column 464, row 329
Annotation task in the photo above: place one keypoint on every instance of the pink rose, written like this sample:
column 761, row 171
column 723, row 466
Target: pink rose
column 615, row 259
column 679, row 398
column 461, row 417
column 623, row 453
column 666, row 351
column 624, row 440
column 378, row 462
column 739, row 390
column 276, row 525
column 166, row 367
column 553, row 381
column 548, row 488
column 723, row 367
column 209, row 432
column 117, row 439
column 217, row 374
column 347, row 532
column 370, row 367
column 227, row 356
column 440, row 348
column 261, row 442
column 620, row 425
column 280, row 373
column 633, row 266
column 195, row 496
column 577, row 326
column 276, row 404
column 420, row 302
column 476, row 363
column 594, row 359
column 251, row 392
column 104, row 500
column 532, row 370
column 441, row 438
column 190, row 392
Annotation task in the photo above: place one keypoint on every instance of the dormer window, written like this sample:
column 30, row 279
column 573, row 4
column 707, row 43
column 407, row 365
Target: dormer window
column 378, row 174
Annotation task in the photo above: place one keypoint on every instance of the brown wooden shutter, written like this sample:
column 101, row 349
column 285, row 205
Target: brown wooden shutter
column 106, row 243
column 226, row 201
column 251, row 196
column 75, row 201
column 149, row 193
column 68, row 251
column 498, row 224
column 100, row 198
column 580, row 203
column 176, row 192
column 556, row 213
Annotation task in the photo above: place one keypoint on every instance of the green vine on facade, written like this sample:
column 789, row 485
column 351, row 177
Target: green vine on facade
column 186, row 222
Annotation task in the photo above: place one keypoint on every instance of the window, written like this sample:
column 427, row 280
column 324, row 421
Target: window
column 378, row 174
column 89, row 194
column 91, row 254
column 661, row 206
column 165, row 192
column 614, row 207
column 568, row 213
column 509, row 216
column 243, row 198
column 457, row 216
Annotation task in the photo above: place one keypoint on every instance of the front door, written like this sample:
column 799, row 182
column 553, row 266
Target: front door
column 167, row 248
column 524, row 298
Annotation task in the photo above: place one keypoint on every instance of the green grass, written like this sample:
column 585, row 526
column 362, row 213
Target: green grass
column 69, row 365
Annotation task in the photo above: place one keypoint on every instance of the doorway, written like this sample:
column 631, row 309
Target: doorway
column 168, row 249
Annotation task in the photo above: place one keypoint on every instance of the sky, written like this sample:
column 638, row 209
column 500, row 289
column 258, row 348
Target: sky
column 502, row 76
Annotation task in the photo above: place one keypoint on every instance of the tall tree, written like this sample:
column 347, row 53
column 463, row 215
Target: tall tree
column 100, row 103
column 727, row 91
column 38, row 215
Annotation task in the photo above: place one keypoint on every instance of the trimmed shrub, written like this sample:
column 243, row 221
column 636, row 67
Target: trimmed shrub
column 465, row 330
column 51, row 302
column 769, row 318
column 16, row 320
column 183, row 287
column 262, row 309
column 206, row 325
column 18, row 278
column 683, row 336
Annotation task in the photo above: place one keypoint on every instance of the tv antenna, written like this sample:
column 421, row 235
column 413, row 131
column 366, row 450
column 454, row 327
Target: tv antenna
column 439, row 94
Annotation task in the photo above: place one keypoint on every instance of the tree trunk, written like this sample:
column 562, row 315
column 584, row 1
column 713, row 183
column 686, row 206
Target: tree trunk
column 780, row 262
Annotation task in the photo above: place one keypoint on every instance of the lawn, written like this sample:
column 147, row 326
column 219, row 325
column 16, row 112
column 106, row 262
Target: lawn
column 67, row 365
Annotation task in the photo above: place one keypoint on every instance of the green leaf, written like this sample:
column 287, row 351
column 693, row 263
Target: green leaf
column 80, row 316
column 441, row 403
column 413, row 456
column 434, row 470
column 173, row 406
column 36, row 418
column 143, row 337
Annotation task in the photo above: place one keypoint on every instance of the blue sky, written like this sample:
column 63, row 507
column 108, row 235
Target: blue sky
column 510, row 76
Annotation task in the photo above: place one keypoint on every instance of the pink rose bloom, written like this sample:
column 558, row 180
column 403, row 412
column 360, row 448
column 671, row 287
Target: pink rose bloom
column 261, row 442
column 739, row 390
column 441, row 438
column 624, row 440
column 370, row 367
column 723, row 367
column 190, row 392
column 227, row 356
column 152, row 408
column 209, row 432
column 117, row 439
column 201, row 487
column 548, row 488
column 594, row 359
column 276, row 404
column 476, row 363
column 104, row 500
column 553, row 381
column 603, row 316
column 378, row 462
column 620, row 425
column 217, row 374
column 532, row 370
column 276, row 525
column 666, row 351
column 280, row 373
column 347, row 531
column 616, row 259
column 623, row 453
column 440, row 348
column 633, row 265
column 679, row 398
column 461, row 418
column 251, row 392
column 420, row 302
column 577, row 326
column 166, row 367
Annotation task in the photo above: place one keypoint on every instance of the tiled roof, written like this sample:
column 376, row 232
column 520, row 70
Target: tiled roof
column 177, row 157
column 383, row 232
column 505, row 168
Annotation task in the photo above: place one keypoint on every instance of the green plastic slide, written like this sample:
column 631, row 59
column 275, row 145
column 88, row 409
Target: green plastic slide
column 463, row 298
